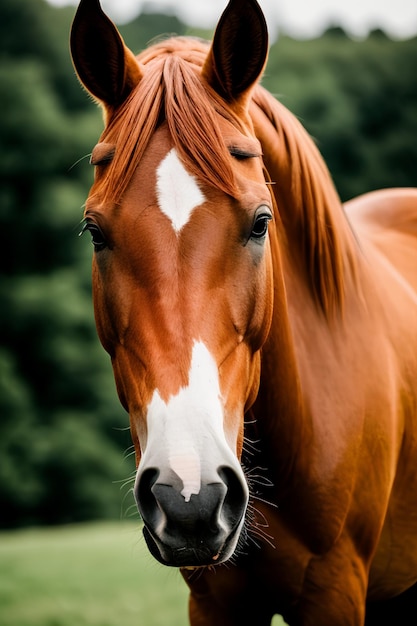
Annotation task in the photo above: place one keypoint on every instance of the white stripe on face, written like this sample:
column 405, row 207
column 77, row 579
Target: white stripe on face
column 177, row 191
column 185, row 434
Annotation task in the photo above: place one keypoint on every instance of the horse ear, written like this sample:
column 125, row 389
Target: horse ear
column 239, row 50
column 105, row 66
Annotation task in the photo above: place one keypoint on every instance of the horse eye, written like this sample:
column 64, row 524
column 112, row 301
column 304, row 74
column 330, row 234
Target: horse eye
column 97, row 238
column 260, row 226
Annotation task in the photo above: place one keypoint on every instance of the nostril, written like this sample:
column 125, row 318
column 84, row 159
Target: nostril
column 145, row 499
column 234, row 505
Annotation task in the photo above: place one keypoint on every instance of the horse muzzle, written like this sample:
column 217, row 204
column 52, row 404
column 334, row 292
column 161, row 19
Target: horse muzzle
column 201, row 530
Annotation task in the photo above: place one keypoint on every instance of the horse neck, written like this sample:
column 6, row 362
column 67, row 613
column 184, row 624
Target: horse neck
column 314, row 258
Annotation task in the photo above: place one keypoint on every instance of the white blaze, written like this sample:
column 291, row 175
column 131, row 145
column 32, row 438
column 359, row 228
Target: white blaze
column 177, row 191
column 185, row 434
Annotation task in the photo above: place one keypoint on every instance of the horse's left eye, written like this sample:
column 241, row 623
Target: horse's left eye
column 97, row 238
column 260, row 226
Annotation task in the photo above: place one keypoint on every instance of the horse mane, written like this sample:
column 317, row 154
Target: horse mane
column 171, row 90
column 312, row 214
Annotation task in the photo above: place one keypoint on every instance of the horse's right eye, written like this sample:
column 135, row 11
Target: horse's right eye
column 97, row 238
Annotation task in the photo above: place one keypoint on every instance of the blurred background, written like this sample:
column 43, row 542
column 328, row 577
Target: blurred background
column 65, row 452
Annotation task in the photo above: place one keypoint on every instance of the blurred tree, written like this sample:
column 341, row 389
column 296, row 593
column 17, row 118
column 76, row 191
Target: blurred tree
column 149, row 27
column 62, row 428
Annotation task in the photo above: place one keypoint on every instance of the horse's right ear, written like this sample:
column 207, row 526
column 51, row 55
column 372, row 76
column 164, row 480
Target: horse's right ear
column 104, row 64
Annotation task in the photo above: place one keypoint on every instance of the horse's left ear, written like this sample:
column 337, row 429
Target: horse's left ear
column 239, row 50
column 104, row 64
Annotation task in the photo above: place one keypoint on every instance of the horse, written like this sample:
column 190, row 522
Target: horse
column 263, row 336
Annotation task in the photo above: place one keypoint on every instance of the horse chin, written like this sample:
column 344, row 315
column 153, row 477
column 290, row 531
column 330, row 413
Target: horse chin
column 192, row 556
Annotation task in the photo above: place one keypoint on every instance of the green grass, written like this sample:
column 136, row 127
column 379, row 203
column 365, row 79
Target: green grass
column 87, row 575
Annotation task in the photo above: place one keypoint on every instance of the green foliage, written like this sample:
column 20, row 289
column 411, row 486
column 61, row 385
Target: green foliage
column 62, row 430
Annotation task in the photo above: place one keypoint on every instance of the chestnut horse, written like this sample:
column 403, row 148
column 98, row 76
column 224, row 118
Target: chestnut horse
column 263, row 337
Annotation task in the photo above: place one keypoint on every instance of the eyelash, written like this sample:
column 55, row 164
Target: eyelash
column 97, row 238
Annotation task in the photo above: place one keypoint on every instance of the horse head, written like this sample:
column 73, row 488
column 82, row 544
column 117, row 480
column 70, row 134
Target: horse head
column 182, row 281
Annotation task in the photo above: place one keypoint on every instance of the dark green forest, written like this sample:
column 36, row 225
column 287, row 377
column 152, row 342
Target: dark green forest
column 65, row 450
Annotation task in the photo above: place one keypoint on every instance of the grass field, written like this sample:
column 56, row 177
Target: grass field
column 87, row 575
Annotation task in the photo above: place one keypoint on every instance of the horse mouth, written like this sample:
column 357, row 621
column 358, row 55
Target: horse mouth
column 195, row 552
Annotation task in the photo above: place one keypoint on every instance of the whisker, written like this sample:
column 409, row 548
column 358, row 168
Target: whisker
column 261, row 480
column 128, row 452
column 265, row 538
column 196, row 573
column 265, row 501
column 86, row 156
column 131, row 511
column 124, row 483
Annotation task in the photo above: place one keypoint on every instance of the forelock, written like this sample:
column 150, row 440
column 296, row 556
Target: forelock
column 171, row 90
